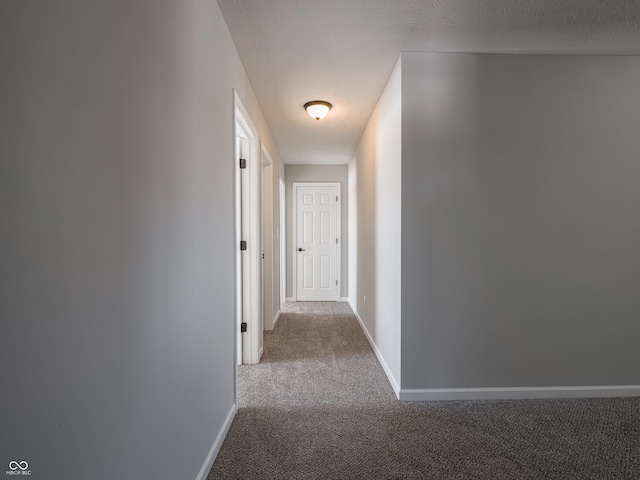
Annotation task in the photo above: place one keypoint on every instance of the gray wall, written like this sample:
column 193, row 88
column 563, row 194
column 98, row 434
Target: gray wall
column 376, row 173
column 117, row 291
column 520, row 231
column 319, row 173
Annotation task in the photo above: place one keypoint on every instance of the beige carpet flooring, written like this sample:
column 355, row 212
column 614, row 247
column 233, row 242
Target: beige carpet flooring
column 319, row 406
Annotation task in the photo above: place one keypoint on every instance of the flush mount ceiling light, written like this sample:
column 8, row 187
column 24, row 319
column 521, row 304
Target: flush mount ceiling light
column 317, row 109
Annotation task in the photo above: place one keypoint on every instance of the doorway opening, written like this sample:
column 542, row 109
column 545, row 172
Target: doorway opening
column 249, row 312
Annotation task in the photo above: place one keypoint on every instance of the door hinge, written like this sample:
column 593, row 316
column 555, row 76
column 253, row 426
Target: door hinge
column 336, row 198
column 336, row 282
column 243, row 163
column 243, row 327
column 336, row 240
column 243, row 244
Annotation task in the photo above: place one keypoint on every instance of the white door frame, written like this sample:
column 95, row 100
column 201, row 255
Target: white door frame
column 294, row 234
column 283, row 243
column 247, row 216
column 267, row 241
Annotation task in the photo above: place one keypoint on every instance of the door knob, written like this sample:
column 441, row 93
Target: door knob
column 301, row 250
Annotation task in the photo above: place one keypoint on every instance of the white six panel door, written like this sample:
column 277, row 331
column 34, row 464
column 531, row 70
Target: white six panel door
column 316, row 242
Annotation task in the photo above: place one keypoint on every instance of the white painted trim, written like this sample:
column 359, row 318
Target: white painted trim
column 517, row 393
column 282, row 192
column 344, row 299
column 290, row 300
column 294, row 243
column 275, row 320
column 383, row 363
column 266, row 238
column 245, row 120
column 254, row 253
column 294, row 233
column 249, row 295
column 339, row 242
column 237, row 218
column 217, row 443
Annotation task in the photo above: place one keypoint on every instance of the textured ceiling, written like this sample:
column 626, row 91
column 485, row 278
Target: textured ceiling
column 343, row 51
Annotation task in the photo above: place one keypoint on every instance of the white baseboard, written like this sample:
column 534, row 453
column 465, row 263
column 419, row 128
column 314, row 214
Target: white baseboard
column 217, row 443
column 353, row 307
column 517, row 393
column 275, row 320
column 289, row 300
column 385, row 367
column 343, row 299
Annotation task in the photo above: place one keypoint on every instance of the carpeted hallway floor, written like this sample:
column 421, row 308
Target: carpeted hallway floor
column 319, row 406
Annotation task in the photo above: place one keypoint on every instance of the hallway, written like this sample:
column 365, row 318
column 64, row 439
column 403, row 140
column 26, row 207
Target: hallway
column 319, row 406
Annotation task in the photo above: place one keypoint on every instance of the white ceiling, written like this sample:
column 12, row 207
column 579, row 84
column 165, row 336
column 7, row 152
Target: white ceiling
column 343, row 51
